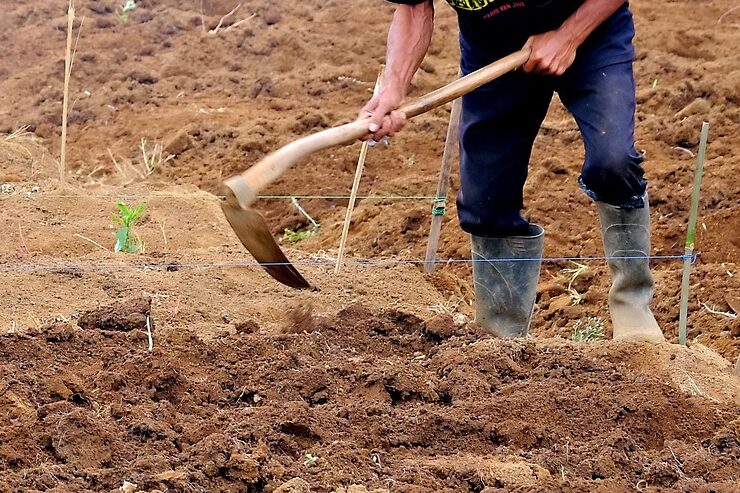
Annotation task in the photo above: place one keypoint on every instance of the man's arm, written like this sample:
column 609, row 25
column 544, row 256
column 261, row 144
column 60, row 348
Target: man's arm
column 408, row 41
column 555, row 51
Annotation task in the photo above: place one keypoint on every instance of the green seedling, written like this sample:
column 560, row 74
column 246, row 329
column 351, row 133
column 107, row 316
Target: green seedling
column 588, row 330
column 126, row 240
column 292, row 236
column 122, row 12
column 310, row 459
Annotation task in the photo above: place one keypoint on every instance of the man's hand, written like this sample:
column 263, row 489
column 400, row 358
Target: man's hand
column 385, row 120
column 408, row 41
column 552, row 52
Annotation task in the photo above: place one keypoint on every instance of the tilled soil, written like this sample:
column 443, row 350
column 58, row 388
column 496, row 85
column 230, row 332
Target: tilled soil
column 381, row 399
column 219, row 102
column 378, row 379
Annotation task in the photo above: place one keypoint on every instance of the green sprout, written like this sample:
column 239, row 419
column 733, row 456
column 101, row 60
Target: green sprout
column 122, row 12
column 126, row 240
column 293, row 236
column 310, row 459
column 588, row 330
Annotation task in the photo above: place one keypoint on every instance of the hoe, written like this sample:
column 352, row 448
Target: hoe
column 241, row 190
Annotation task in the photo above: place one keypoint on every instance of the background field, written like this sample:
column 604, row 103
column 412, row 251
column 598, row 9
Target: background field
column 378, row 374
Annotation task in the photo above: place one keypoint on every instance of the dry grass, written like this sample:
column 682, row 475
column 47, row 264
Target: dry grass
column 21, row 149
column 130, row 170
column 153, row 157
column 16, row 143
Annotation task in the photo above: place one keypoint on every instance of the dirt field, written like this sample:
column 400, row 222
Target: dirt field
column 377, row 382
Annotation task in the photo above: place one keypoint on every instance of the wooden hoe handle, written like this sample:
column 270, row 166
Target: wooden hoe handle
column 245, row 187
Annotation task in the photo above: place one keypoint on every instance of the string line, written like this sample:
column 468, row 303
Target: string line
column 174, row 266
column 216, row 197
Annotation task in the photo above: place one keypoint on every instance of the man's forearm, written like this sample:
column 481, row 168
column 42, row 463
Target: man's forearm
column 408, row 41
column 588, row 17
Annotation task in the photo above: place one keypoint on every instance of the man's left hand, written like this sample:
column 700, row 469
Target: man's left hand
column 552, row 53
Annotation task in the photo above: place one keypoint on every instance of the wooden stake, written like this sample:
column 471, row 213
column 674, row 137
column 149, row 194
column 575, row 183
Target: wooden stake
column 691, row 235
column 443, row 186
column 355, row 188
column 65, row 102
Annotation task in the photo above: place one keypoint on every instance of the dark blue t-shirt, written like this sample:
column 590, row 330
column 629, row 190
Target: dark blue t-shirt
column 491, row 29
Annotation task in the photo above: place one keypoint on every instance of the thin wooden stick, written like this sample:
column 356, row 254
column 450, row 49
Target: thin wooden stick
column 72, row 60
column 443, row 186
column 65, row 101
column 355, row 188
column 691, row 235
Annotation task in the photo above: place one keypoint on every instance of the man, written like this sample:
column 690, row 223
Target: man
column 583, row 50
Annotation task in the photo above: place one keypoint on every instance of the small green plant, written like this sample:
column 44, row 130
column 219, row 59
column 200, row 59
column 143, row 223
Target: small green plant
column 575, row 297
column 588, row 330
column 126, row 240
column 310, row 459
column 293, row 236
column 122, row 12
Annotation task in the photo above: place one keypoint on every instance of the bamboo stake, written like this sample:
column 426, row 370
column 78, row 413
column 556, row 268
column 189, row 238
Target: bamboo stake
column 355, row 188
column 443, row 186
column 65, row 102
column 691, row 235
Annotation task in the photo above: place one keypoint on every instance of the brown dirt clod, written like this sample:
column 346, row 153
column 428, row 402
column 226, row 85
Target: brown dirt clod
column 125, row 315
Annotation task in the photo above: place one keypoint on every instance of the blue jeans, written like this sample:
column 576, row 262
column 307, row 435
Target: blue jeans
column 501, row 120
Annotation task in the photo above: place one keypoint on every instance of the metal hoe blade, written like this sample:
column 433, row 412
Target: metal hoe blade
column 254, row 234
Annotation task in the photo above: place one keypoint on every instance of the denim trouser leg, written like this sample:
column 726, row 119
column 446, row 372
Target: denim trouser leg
column 499, row 124
column 603, row 104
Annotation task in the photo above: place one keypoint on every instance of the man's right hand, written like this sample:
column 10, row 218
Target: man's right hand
column 385, row 119
column 408, row 41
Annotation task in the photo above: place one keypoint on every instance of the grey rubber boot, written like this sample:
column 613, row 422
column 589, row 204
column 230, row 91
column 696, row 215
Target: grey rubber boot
column 626, row 234
column 506, row 288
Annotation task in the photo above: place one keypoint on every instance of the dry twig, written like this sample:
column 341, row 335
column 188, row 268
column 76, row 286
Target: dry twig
column 713, row 311
column 217, row 29
column 149, row 334
column 91, row 241
column 736, row 7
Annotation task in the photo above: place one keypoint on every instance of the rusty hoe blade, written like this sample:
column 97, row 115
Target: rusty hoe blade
column 252, row 231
